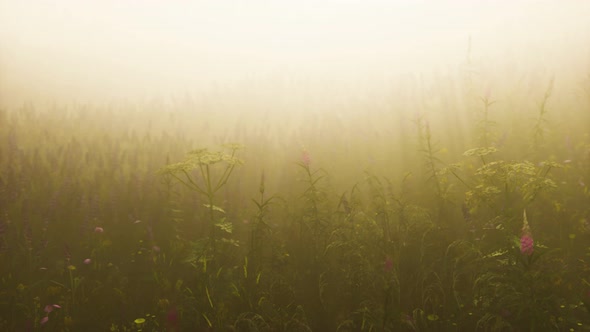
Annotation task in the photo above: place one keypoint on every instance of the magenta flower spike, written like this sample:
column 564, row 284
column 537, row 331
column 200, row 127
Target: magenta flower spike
column 388, row 264
column 526, row 239
column 306, row 158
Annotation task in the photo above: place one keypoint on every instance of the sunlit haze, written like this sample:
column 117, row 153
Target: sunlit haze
column 104, row 51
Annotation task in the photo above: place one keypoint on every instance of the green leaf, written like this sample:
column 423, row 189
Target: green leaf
column 231, row 241
column 226, row 226
column 257, row 204
column 480, row 152
column 208, row 296
column 215, row 208
column 207, row 319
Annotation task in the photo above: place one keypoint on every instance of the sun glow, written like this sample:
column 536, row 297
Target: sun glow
column 92, row 51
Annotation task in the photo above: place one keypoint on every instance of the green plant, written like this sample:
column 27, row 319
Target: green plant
column 539, row 128
column 208, row 184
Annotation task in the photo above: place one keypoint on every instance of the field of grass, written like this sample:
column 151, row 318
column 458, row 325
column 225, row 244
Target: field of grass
column 439, row 206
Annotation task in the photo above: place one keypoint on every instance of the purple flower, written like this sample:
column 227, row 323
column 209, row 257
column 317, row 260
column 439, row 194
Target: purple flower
column 87, row 261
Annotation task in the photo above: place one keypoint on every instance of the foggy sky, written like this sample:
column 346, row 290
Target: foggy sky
column 96, row 51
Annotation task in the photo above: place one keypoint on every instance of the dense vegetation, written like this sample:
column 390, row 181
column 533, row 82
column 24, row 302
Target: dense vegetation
column 473, row 214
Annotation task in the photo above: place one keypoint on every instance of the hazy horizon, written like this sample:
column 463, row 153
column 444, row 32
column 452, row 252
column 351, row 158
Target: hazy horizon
column 111, row 51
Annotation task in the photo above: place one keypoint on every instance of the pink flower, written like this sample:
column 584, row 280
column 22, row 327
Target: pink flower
column 388, row 264
column 306, row 158
column 44, row 320
column 488, row 92
column 172, row 317
column 98, row 230
column 87, row 261
column 49, row 308
column 527, row 245
column 526, row 240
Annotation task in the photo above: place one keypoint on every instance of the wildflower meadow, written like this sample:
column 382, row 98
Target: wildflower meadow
column 440, row 208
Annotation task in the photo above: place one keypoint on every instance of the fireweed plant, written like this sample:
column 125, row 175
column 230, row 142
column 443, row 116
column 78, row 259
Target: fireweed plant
column 314, row 224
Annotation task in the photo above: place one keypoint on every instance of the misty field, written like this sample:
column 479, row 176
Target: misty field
column 447, row 205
